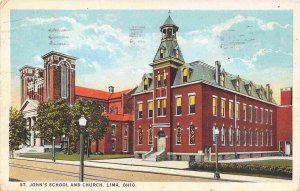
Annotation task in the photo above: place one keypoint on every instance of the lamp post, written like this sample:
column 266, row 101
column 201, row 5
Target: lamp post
column 82, row 123
column 53, row 149
column 217, row 174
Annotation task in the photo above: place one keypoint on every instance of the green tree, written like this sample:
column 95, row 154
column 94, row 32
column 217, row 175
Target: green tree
column 18, row 134
column 96, row 126
column 53, row 119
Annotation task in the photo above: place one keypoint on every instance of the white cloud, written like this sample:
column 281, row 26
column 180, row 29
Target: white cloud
column 37, row 59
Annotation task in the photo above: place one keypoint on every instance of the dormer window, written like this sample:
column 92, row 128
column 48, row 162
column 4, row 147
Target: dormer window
column 185, row 75
column 162, row 52
column 237, row 85
column 250, row 89
column 146, row 83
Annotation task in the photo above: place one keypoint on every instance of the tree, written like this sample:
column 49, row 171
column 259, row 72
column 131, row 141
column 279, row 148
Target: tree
column 96, row 126
column 53, row 119
column 18, row 134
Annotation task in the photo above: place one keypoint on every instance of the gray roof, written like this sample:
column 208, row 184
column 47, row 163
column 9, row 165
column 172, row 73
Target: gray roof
column 201, row 71
column 169, row 47
column 169, row 21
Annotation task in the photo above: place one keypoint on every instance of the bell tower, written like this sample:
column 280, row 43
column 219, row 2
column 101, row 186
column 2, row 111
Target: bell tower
column 59, row 77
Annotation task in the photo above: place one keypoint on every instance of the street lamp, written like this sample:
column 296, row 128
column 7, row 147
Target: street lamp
column 53, row 149
column 217, row 174
column 82, row 123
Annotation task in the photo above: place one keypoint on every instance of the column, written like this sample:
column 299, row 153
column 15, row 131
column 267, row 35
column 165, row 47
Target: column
column 31, row 132
column 28, row 128
column 37, row 139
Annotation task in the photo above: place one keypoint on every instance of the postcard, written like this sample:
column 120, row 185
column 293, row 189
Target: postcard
column 131, row 95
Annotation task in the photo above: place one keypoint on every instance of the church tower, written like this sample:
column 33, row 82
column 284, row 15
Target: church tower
column 59, row 77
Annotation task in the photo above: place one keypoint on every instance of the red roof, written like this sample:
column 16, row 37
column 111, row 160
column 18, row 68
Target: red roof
column 97, row 94
column 119, row 117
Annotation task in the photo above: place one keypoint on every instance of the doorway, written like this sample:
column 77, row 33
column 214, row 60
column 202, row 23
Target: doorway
column 161, row 141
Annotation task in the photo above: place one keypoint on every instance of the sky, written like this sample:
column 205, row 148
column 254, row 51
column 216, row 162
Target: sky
column 115, row 47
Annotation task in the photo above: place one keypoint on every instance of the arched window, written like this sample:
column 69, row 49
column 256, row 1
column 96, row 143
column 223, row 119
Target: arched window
column 230, row 136
column 64, row 80
column 261, row 138
column 178, row 135
column 146, row 83
column 140, row 136
column 192, row 135
column 158, row 81
column 165, row 79
column 150, row 136
column 250, row 137
column 256, row 137
column 238, row 136
column 185, row 75
column 223, row 135
column 162, row 52
column 244, row 137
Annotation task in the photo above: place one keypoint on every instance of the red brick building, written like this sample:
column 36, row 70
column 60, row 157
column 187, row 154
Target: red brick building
column 178, row 106
column 284, row 124
column 57, row 80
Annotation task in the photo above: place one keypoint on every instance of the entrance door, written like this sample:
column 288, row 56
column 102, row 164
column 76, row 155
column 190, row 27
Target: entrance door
column 161, row 144
column 287, row 148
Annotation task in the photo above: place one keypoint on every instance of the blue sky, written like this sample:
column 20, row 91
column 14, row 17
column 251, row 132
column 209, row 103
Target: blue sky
column 257, row 45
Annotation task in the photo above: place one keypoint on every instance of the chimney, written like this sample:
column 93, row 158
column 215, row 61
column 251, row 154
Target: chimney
column 218, row 71
column 111, row 89
column 268, row 92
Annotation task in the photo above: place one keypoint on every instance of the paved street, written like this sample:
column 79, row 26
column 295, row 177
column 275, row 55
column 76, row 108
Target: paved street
column 26, row 170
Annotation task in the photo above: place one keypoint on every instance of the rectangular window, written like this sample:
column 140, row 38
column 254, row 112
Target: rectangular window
column 230, row 109
column 158, row 81
column 164, row 101
column 238, row 136
column 271, row 117
column 125, row 145
column 271, row 138
column 113, row 130
column 223, row 135
column 192, row 135
column 140, row 136
column 150, row 136
column 113, row 144
column 267, row 138
column 178, row 136
column 244, row 137
column 250, row 137
column 223, row 108
column 150, row 109
column 250, row 113
column 261, row 115
column 125, row 131
column 244, row 112
column 237, row 110
column 256, row 137
column 261, row 138
column 178, row 106
column 158, row 108
column 192, row 104
column 267, row 116
column 215, row 106
column 256, row 115
column 230, row 136
column 140, row 114
column 165, row 79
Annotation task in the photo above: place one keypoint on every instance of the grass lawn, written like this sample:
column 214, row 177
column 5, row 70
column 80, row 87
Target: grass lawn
column 272, row 162
column 75, row 157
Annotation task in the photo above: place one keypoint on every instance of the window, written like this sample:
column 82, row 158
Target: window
column 256, row 115
column 250, row 137
column 192, row 104
column 185, row 75
column 178, row 106
column 192, row 135
column 222, row 80
column 237, row 110
column 165, row 79
column 267, row 117
column 244, row 137
column 113, row 130
column 256, row 137
column 244, row 112
column 164, row 101
column 215, row 106
column 214, row 135
column 150, row 109
column 230, row 109
column 250, row 113
column 230, row 136
column 238, row 85
column 271, row 117
column 64, row 80
column 150, row 136
column 271, row 138
column 267, row 138
column 158, row 81
column 178, row 135
column 146, row 83
column 261, row 115
column 125, row 130
column 177, row 53
column 113, row 144
column 250, row 89
column 158, row 108
column 140, row 114
column 223, row 107
column 238, row 136
column 140, row 136
column 162, row 51
column 223, row 135
column 125, row 145
column 261, row 138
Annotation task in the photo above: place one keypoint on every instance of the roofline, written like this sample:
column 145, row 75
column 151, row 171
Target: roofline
column 27, row 66
column 210, row 84
column 59, row 54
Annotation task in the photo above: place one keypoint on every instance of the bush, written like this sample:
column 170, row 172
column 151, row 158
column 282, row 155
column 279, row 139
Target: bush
column 243, row 168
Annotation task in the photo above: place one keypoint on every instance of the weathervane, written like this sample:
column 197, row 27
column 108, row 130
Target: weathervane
column 169, row 12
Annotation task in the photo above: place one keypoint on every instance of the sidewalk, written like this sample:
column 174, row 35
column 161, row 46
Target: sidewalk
column 165, row 167
column 257, row 159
